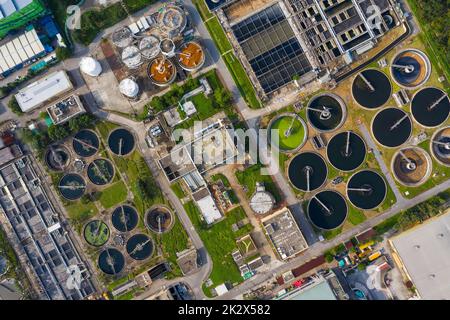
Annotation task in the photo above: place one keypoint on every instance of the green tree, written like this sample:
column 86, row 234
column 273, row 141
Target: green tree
column 57, row 133
column 63, row 53
column 223, row 97
column 14, row 106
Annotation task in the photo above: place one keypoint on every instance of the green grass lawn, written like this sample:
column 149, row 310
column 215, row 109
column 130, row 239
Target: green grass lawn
column 297, row 133
column 202, row 9
column 355, row 216
column 220, row 241
column 249, row 177
column 242, row 80
column 114, row 195
column 79, row 212
column 176, row 240
column 218, row 35
column 176, row 188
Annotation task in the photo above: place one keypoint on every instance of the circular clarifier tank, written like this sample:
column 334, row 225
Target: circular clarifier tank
column 96, row 233
column 410, row 68
column 85, row 143
column 430, row 107
column 121, row 142
column 161, row 71
column 191, row 56
column 57, row 157
column 392, row 127
column 326, row 112
column 124, row 218
column 159, row 219
column 366, row 190
column 292, row 132
column 72, row 186
column 140, row 247
column 411, row 166
column 327, row 210
column 307, row 171
column 440, row 146
column 346, row 151
column 371, row 89
column 111, row 261
column 100, row 172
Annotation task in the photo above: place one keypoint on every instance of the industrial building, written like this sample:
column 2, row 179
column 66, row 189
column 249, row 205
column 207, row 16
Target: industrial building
column 284, row 233
column 43, row 91
column 65, row 109
column 319, row 287
column 423, row 257
column 302, row 40
column 40, row 240
column 20, row 51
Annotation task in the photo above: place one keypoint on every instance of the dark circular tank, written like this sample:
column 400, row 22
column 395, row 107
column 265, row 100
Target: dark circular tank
column 100, row 172
column 121, row 142
column 430, row 107
column 440, row 146
column 327, row 210
column 96, row 233
column 304, row 165
column 111, row 261
column 125, row 218
column 72, row 186
column 140, row 247
column 371, row 89
column 326, row 112
column 410, row 68
column 366, row 189
column 57, row 158
column 346, row 151
column 159, row 219
column 392, row 127
column 85, row 143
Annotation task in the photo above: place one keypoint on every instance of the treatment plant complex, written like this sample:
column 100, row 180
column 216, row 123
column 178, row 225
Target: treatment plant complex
column 223, row 149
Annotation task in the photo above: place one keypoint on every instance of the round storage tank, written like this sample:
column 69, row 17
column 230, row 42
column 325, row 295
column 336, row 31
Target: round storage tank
column 129, row 88
column 392, row 127
column 122, row 37
column 191, row 56
column 326, row 112
column 327, row 210
column 90, row 66
column 172, row 20
column 346, row 151
column 410, row 68
column 371, row 89
column 430, row 107
column 132, row 57
column 307, row 171
column 366, row 190
column 440, row 146
column 411, row 166
column 162, row 72
column 149, row 47
column 111, row 261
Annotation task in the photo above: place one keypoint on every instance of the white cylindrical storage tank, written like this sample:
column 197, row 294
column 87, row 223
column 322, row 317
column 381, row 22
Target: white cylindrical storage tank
column 129, row 88
column 90, row 66
column 132, row 57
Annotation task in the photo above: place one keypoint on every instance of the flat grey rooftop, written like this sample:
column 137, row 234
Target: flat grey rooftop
column 425, row 253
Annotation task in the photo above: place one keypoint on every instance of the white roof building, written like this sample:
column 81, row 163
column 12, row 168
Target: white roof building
column 207, row 206
column 43, row 90
column 189, row 108
column 423, row 255
column 20, row 50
